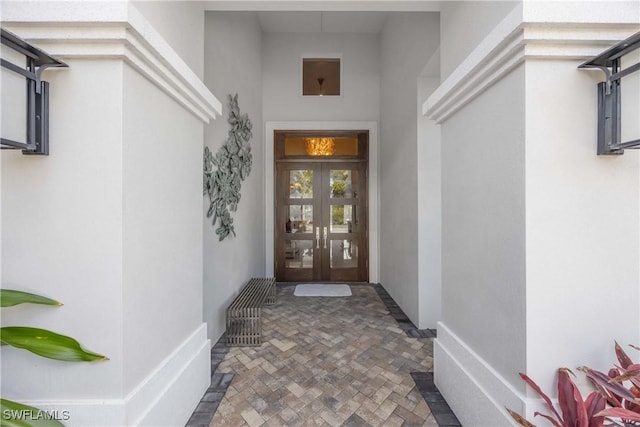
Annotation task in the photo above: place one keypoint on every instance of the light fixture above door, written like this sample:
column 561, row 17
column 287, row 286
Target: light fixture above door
column 320, row 146
column 321, row 76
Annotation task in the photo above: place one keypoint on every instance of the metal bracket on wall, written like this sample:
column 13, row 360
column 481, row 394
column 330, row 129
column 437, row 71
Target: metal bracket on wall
column 610, row 95
column 37, row 94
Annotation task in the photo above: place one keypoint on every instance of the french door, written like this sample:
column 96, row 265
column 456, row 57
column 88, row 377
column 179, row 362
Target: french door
column 321, row 221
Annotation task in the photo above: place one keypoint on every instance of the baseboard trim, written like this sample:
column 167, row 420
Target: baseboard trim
column 475, row 391
column 170, row 393
column 166, row 397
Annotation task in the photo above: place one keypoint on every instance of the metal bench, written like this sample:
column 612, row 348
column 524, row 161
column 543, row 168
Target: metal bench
column 244, row 315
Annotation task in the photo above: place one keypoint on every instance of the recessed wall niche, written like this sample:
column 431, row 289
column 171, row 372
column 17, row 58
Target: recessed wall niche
column 321, row 77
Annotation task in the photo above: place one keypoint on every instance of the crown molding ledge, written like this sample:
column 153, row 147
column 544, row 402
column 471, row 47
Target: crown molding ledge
column 127, row 36
column 510, row 44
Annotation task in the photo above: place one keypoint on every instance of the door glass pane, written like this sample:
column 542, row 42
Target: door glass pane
column 300, row 184
column 300, row 219
column 298, row 254
column 344, row 254
column 341, row 182
column 343, row 218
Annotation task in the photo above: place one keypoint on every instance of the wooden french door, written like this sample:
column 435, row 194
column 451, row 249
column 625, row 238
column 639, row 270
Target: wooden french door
column 321, row 221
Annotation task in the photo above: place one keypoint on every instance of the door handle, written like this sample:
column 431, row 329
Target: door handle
column 325, row 237
column 318, row 237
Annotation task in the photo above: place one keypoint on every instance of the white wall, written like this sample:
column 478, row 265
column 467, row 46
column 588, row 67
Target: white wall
column 181, row 24
column 527, row 213
column 282, row 59
column 483, row 228
column 112, row 227
column 357, row 106
column 233, row 65
column 62, row 237
column 162, row 229
column 583, row 216
column 408, row 41
column 463, row 26
column 429, row 158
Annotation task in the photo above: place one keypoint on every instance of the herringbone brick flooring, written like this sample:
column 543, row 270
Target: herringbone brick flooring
column 327, row 362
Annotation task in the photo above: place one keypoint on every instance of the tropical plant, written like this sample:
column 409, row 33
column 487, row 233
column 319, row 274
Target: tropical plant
column 624, row 403
column 232, row 164
column 42, row 342
column 338, row 189
column 302, row 181
column 620, row 387
column 337, row 214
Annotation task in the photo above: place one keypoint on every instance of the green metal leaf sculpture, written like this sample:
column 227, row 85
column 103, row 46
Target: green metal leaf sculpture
column 225, row 171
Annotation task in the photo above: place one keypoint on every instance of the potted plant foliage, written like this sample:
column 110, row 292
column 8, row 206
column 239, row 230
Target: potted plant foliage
column 615, row 400
column 44, row 343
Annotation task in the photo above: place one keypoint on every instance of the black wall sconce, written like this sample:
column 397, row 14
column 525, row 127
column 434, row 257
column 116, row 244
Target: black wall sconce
column 25, row 97
column 614, row 63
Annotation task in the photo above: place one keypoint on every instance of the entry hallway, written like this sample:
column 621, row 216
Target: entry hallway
column 327, row 361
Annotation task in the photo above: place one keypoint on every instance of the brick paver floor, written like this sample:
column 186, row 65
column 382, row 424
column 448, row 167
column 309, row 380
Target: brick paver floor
column 327, row 362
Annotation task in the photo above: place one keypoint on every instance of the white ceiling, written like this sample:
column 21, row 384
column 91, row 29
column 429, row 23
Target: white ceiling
column 327, row 22
column 326, row 5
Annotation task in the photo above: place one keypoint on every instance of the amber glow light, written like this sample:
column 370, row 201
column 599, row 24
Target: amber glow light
column 320, row 146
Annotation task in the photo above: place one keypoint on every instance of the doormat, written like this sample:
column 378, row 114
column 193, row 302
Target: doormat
column 322, row 290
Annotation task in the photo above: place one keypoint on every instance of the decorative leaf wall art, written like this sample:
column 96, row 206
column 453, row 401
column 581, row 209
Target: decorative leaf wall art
column 224, row 172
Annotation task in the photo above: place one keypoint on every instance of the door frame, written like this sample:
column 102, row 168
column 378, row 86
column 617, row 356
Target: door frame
column 269, row 174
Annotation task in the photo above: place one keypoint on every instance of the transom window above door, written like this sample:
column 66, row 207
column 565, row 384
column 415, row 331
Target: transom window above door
column 319, row 145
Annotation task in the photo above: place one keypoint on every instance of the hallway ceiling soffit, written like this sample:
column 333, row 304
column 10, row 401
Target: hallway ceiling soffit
column 322, row 22
column 327, row 5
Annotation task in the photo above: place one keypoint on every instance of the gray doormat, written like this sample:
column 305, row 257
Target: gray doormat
column 322, row 290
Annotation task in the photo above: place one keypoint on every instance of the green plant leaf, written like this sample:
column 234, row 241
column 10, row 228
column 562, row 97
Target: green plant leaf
column 47, row 344
column 14, row 414
column 10, row 297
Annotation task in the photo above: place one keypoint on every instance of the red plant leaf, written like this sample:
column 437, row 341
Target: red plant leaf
column 595, row 403
column 625, row 377
column 633, row 374
column 542, row 394
column 519, row 419
column 624, row 359
column 635, row 407
column 622, row 413
column 570, row 400
column 604, row 381
column 613, row 372
column 631, row 370
column 548, row 417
